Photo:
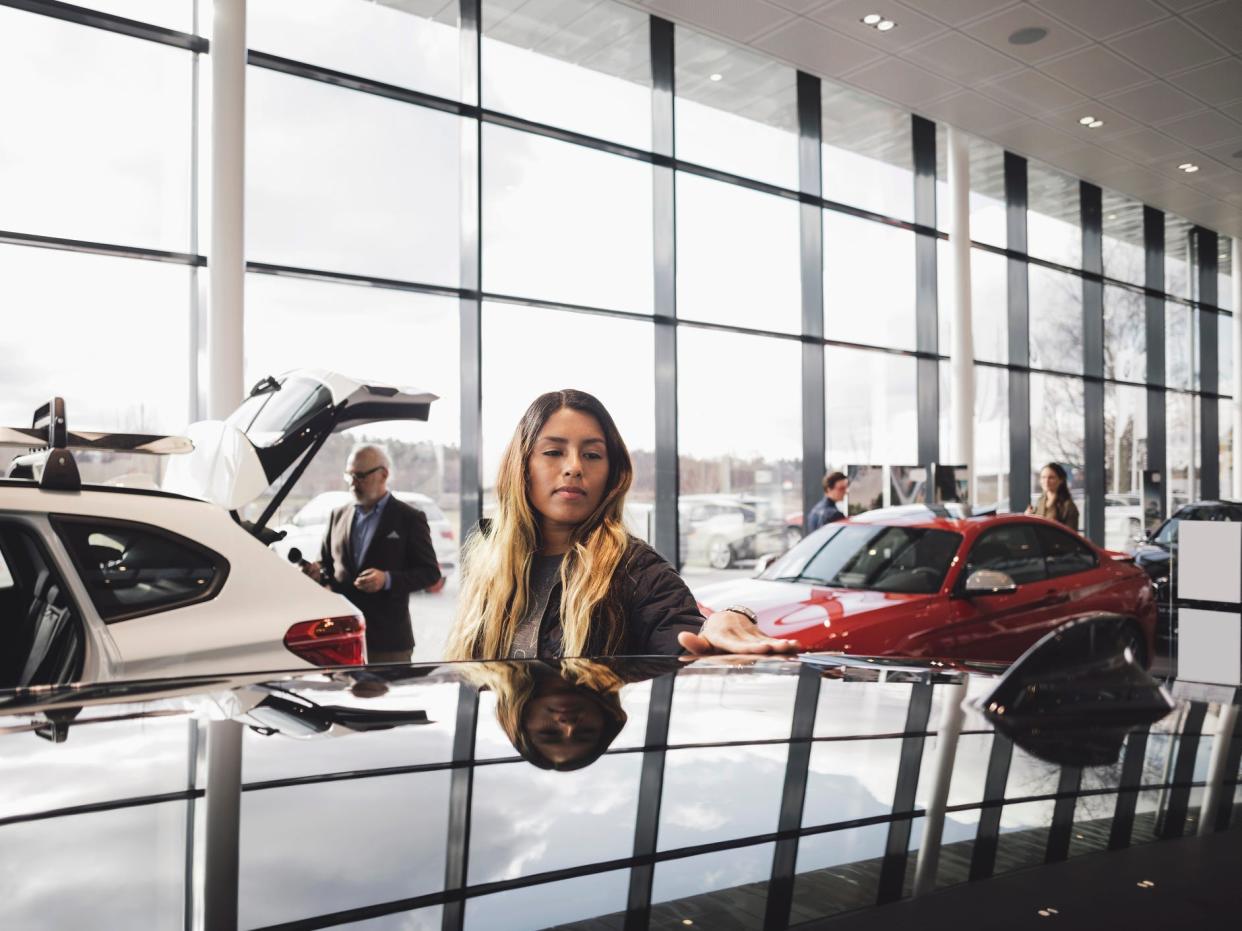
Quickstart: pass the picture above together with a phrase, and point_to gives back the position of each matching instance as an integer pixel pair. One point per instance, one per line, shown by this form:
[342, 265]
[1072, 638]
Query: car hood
[786, 607]
[272, 436]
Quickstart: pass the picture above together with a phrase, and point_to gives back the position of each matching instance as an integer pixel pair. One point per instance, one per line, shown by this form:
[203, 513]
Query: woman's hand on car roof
[730, 632]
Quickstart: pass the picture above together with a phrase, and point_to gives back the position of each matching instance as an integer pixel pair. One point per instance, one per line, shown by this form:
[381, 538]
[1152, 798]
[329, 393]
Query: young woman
[1055, 503]
[555, 574]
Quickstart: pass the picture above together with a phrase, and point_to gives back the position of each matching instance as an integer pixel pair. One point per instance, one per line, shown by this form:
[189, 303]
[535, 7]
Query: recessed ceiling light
[1087, 120]
[716, 77]
[885, 25]
[1188, 167]
[871, 19]
[1028, 36]
[1095, 124]
[1112, 216]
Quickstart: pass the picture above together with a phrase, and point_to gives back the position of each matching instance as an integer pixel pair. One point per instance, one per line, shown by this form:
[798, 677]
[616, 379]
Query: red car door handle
[1051, 598]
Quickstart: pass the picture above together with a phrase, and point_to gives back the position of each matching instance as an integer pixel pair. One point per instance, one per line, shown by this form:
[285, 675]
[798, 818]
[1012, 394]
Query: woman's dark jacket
[653, 600]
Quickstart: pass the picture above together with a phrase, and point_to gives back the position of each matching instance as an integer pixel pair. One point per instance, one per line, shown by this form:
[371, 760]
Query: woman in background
[1055, 503]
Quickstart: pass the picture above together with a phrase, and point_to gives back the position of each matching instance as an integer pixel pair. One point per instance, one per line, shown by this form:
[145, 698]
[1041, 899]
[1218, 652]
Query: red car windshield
[911, 560]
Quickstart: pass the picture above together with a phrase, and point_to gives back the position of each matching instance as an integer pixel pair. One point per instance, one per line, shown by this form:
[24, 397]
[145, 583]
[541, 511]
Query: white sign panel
[1209, 646]
[1209, 561]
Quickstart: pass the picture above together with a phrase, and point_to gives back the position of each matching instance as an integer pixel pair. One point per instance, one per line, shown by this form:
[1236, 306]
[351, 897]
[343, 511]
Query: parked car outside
[720, 530]
[1123, 520]
[913, 581]
[306, 529]
[102, 582]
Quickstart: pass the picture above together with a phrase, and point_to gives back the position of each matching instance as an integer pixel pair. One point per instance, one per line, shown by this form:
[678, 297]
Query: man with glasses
[376, 552]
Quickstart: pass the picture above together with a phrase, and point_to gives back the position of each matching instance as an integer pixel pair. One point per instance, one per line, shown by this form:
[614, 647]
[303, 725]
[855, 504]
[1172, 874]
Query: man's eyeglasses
[359, 476]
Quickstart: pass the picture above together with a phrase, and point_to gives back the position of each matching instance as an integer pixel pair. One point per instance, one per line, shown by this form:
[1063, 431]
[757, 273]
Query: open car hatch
[275, 433]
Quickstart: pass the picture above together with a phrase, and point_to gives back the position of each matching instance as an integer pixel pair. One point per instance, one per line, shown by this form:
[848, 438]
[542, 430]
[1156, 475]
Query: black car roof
[787, 791]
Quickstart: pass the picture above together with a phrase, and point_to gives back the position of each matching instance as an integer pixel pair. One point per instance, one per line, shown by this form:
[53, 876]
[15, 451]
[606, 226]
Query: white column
[1237, 366]
[226, 262]
[1214, 792]
[962, 351]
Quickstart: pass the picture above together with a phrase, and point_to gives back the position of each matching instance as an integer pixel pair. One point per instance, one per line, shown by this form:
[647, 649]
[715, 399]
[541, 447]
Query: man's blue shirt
[362, 530]
[824, 512]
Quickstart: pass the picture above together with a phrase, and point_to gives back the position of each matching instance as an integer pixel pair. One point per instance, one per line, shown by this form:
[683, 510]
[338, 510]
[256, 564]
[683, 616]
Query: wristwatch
[745, 611]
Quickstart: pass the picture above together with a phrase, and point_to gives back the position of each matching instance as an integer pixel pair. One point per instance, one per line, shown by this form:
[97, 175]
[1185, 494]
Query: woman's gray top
[545, 572]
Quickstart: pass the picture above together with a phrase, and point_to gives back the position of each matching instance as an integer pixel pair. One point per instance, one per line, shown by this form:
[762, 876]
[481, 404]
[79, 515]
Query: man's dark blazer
[401, 547]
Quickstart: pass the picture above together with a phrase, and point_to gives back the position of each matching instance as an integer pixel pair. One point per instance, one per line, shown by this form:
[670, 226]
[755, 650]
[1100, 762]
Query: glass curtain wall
[353, 240]
[370, 134]
[1055, 309]
[97, 208]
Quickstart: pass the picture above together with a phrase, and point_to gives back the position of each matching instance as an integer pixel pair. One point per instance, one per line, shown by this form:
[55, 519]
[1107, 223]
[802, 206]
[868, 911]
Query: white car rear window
[132, 569]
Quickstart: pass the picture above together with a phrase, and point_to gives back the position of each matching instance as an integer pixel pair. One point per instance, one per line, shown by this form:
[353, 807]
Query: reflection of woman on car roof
[559, 716]
[556, 574]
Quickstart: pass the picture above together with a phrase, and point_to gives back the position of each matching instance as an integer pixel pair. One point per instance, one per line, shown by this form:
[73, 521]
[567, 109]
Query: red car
[912, 582]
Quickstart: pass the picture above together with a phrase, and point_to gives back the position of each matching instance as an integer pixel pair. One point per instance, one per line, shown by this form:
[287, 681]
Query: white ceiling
[1164, 75]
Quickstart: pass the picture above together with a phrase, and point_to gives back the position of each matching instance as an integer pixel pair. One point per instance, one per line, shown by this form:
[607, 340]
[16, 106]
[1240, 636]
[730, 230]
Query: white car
[305, 530]
[101, 583]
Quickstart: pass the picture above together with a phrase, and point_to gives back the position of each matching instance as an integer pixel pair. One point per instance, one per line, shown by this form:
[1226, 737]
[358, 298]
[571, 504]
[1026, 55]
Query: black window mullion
[927, 331]
[1019, 336]
[1233, 759]
[1157, 460]
[897, 848]
[1062, 827]
[811, 239]
[793, 798]
[664, 238]
[1209, 380]
[110, 22]
[1090, 203]
[461, 794]
[1174, 822]
[470, 304]
[1127, 794]
[650, 792]
[983, 857]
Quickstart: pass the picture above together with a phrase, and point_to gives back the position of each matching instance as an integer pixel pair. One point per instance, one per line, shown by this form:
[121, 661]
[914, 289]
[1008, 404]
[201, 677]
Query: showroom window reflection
[610, 358]
[1125, 459]
[1123, 239]
[736, 110]
[868, 152]
[1057, 430]
[383, 41]
[739, 444]
[581, 66]
[391, 337]
[1055, 321]
[988, 214]
[1053, 221]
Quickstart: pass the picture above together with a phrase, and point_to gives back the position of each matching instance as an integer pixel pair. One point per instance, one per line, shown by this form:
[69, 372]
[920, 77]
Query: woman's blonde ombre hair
[495, 586]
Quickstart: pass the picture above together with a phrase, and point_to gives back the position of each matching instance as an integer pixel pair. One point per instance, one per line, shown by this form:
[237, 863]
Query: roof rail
[48, 440]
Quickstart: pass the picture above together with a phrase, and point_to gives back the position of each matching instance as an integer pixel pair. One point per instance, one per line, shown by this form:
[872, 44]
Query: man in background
[826, 510]
[376, 551]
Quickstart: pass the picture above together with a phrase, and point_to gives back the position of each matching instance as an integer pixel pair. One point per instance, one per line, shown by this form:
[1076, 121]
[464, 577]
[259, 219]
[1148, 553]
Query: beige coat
[1063, 511]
